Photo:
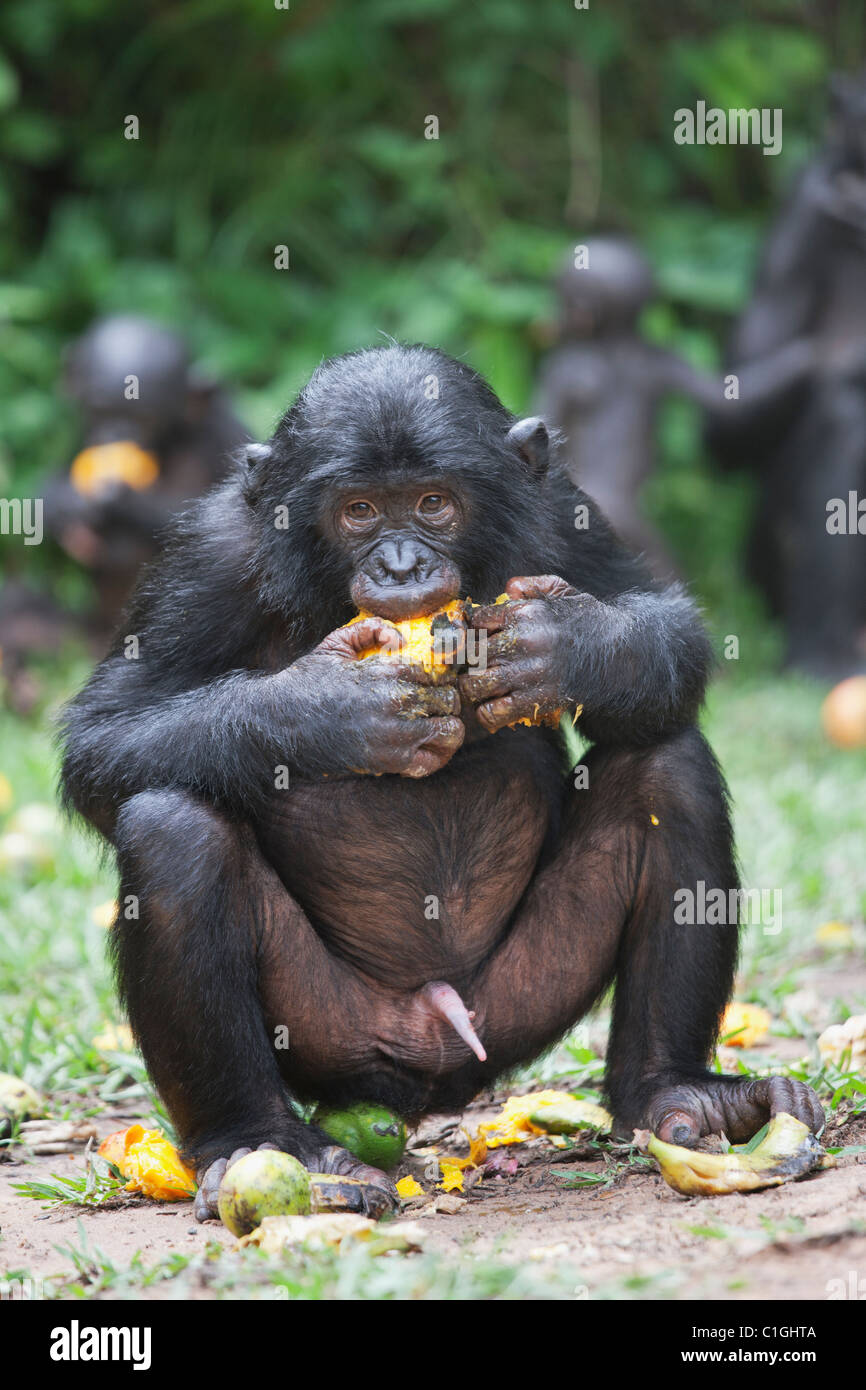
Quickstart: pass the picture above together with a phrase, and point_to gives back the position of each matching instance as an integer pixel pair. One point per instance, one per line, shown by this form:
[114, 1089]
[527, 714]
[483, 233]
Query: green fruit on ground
[264, 1183]
[373, 1134]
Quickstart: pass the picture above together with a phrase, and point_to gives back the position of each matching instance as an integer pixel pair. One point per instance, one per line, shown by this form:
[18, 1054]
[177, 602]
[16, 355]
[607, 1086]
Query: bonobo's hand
[528, 653]
[388, 717]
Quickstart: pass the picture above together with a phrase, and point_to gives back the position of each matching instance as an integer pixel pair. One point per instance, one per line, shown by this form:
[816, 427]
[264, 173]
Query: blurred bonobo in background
[807, 447]
[602, 385]
[155, 434]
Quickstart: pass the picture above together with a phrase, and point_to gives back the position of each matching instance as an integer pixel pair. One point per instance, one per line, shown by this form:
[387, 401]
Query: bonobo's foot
[379, 1195]
[734, 1106]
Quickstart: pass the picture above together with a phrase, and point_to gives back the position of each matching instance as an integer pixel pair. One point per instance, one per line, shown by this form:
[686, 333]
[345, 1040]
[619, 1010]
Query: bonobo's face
[399, 539]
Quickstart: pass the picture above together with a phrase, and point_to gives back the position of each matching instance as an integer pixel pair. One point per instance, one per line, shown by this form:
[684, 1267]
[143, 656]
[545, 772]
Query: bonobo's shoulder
[202, 575]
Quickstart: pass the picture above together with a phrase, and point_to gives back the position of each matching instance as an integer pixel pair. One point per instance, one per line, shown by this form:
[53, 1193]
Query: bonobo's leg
[674, 978]
[188, 970]
[651, 822]
[823, 572]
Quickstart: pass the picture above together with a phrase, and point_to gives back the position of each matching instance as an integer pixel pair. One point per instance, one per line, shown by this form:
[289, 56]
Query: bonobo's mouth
[398, 601]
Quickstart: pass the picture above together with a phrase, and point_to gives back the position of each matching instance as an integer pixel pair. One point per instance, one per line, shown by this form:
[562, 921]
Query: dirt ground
[634, 1235]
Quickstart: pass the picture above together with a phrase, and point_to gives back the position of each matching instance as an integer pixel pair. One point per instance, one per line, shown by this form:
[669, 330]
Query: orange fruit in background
[749, 1022]
[123, 462]
[843, 713]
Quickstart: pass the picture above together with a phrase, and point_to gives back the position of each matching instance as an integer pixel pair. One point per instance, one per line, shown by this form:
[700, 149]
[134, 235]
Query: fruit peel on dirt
[330, 1192]
[151, 1164]
[527, 1117]
[788, 1150]
[320, 1232]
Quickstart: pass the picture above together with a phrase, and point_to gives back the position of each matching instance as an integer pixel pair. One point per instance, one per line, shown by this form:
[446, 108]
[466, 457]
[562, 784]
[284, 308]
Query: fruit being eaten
[436, 642]
[427, 639]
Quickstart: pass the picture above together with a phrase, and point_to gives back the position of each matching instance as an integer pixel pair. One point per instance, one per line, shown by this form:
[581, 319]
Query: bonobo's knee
[679, 769]
[167, 837]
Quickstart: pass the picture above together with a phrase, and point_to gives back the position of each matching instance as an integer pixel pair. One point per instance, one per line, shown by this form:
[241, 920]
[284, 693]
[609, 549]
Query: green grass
[800, 820]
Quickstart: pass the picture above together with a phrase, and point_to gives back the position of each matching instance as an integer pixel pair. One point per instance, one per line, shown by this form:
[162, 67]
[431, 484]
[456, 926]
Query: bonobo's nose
[399, 561]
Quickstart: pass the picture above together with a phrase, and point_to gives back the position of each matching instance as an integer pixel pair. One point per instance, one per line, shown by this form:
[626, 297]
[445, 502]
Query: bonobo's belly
[415, 880]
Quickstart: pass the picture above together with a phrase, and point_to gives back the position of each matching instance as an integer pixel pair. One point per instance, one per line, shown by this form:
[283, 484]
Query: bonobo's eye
[358, 514]
[435, 507]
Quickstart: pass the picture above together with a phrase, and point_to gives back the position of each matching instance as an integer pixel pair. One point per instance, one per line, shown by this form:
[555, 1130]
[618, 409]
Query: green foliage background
[261, 126]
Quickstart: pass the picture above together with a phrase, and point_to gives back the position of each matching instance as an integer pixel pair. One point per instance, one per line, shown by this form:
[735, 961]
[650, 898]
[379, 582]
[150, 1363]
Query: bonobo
[284, 813]
[155, 434]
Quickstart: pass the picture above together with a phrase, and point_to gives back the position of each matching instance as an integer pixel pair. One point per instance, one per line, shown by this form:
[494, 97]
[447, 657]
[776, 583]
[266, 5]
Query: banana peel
[788, 1150]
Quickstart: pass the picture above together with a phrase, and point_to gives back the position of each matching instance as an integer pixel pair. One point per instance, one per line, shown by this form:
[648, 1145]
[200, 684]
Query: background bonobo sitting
[143, 404]
[395, 483]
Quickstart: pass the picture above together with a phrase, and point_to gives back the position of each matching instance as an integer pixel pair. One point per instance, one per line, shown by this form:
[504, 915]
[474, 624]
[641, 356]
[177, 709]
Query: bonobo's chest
[414, 880]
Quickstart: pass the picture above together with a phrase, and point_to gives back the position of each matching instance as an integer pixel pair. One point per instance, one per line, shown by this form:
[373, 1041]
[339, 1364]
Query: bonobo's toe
[379, 1196]
[208, 1190]
[209, 1179]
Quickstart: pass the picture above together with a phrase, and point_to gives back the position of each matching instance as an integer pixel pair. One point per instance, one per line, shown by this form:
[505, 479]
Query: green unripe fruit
[373, 1134]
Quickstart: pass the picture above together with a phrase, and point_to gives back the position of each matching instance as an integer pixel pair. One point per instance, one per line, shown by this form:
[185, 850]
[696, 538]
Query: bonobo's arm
[601, 635]
[213, 703]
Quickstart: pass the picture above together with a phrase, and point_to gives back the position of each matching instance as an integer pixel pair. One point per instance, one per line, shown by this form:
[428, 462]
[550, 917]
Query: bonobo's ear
[254, 454]
[531, 440]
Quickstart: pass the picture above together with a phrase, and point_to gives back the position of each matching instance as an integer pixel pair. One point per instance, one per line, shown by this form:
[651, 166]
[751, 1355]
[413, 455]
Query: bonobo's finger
[782, 1095]
[539, 586]
[478, 685]
[237, 1155]
[442, 738]
[492, 617]
[419, 701]
[505, 710]
[446, 1002]
[349, 642]
[422, 675]
[205, 1208]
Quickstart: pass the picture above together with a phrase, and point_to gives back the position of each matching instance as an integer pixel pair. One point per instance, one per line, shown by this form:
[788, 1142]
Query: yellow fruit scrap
[408, 1187]
[522, 1117]
[115, 1037]
[105, 914]
[452, 1175]
[551, 719]
[150, 1164]
[122, 462]
[748, 1023]
[835, 934]
[844, 1044]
